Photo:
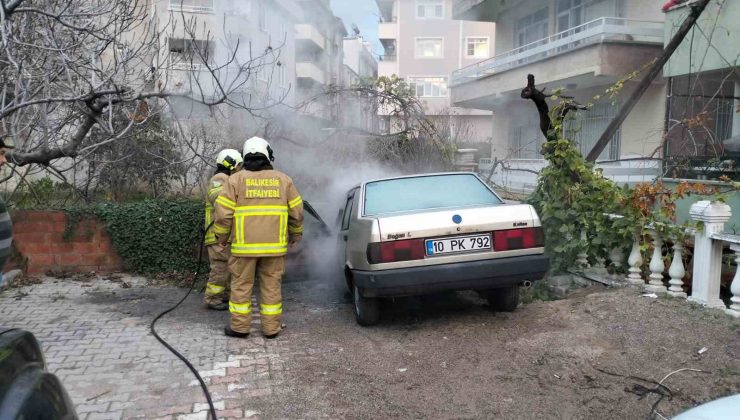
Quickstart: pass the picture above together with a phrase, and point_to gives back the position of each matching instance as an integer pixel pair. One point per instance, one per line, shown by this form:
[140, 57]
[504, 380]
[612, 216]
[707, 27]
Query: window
[570, 14]
[348, 211]
[429, 87]
[526, 141]
[427, 192]
[188, 52]
[585, 128]
[476, 47]
[192, 5]
[531, 28]
[262, 16]
[430, 9]
[429, 47]
[282, 74]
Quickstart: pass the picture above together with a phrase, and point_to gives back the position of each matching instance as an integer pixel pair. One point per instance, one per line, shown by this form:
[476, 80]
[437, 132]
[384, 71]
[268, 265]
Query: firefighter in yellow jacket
[261, 212]
[217, 290]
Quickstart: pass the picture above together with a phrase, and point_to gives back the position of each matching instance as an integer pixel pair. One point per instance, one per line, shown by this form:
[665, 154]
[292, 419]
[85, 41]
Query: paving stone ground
[96, 339]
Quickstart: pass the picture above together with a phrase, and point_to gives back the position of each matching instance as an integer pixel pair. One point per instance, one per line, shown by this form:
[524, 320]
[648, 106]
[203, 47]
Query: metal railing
[593, 32]
[181, 6]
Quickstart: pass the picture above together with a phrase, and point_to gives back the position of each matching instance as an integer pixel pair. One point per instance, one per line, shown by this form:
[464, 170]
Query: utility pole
[696, 10]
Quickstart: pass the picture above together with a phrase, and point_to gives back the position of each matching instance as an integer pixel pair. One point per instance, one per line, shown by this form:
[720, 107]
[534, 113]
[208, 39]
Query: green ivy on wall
[151, 236]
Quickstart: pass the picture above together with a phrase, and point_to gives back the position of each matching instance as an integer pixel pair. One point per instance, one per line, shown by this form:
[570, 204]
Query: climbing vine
[151, 236]
[584, 212]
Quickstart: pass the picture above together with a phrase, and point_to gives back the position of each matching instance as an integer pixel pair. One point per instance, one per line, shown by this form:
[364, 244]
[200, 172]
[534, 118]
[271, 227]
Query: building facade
[282, 55]
[206, 45]
[320, 59]
[584, 47]
[360, 66]
[423, 45]
[703, 77]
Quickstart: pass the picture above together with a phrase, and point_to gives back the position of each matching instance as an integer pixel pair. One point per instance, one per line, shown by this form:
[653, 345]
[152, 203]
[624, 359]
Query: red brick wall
[38, 238]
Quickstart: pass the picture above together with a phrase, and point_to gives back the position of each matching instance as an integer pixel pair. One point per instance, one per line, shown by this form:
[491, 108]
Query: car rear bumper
[474, 275]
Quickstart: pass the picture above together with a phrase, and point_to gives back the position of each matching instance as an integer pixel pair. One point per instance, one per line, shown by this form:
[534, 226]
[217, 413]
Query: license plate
[458, 244]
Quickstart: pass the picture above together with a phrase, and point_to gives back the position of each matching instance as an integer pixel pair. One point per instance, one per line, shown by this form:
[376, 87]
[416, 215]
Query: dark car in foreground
[27, 389]
[433, 233]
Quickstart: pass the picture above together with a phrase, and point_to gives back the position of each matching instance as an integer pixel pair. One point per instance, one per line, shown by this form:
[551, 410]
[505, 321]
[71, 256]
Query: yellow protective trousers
[243, 272]
[217, 288]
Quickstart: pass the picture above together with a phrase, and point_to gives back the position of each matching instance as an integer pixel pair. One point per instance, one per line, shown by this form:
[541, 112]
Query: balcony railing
[190, 7]
[596, 31]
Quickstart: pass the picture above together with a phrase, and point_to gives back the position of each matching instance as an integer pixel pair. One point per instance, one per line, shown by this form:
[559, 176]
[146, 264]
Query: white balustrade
[677, 271]
[635, 262]
[709, 241]
[657, 266]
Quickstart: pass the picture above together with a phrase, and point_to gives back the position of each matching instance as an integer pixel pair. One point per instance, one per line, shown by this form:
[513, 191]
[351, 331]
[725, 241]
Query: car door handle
[345, 238]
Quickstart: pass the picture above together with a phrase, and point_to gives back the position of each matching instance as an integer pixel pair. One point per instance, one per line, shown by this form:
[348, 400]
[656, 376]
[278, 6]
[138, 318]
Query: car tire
[505, 299]
[367, 310]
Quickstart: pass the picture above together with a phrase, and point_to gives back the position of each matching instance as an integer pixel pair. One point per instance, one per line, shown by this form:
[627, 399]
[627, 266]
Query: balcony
[310, 71]
[594, 32]
[387, 9]
[388, 30]
[591, 55]
[307, 36]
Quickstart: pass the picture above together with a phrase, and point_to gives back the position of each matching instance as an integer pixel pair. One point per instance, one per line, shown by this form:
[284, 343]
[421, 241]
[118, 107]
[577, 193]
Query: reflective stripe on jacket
[259, 210]
[215, 186]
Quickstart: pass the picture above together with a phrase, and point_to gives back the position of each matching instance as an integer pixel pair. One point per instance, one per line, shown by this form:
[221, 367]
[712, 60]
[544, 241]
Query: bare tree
[70, 66]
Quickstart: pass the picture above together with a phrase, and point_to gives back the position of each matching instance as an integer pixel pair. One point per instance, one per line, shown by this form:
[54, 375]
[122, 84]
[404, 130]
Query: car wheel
[367, 310]
[505, 299]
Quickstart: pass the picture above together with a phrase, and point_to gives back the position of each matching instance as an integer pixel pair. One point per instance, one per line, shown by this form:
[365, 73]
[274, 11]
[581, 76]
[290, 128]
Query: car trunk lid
[441, 223]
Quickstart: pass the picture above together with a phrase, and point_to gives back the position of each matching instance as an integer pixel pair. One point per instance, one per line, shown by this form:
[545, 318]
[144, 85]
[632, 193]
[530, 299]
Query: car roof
[415, 176]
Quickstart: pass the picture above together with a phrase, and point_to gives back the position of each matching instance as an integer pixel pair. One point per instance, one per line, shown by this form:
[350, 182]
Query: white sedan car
[437, 232]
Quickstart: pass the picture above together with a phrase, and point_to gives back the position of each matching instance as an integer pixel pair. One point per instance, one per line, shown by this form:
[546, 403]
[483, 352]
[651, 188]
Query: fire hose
[212, 410]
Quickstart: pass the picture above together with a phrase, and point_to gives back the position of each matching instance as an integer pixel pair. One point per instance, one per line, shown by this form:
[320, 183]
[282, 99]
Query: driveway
[597, 354]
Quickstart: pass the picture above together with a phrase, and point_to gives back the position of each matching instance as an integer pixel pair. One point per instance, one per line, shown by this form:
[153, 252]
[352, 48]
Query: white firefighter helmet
[229, 159]
[258, 145]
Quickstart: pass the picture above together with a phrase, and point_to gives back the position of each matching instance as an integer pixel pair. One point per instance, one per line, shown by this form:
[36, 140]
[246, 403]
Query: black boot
[274, 336]
[231, 333]
[218, 306]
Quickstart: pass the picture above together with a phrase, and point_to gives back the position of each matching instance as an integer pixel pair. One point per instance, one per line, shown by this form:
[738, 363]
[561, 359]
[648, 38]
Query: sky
[363, 13]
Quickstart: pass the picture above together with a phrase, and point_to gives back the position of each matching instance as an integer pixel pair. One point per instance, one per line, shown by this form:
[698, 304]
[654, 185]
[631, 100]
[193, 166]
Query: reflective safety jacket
[215, 185]
[258, 211]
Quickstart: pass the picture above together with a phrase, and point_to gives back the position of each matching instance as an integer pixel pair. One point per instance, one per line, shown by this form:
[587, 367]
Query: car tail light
[395, 251]
[513, 239]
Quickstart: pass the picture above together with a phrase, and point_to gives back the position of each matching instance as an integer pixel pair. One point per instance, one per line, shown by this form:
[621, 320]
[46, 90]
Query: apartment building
[423, 44]
[292, 49]
[319, 58]
[200, 36]
[360, 65]
[583, 46]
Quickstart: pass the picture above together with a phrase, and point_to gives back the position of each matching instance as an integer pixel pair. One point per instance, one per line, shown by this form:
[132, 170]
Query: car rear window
[426, 192]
